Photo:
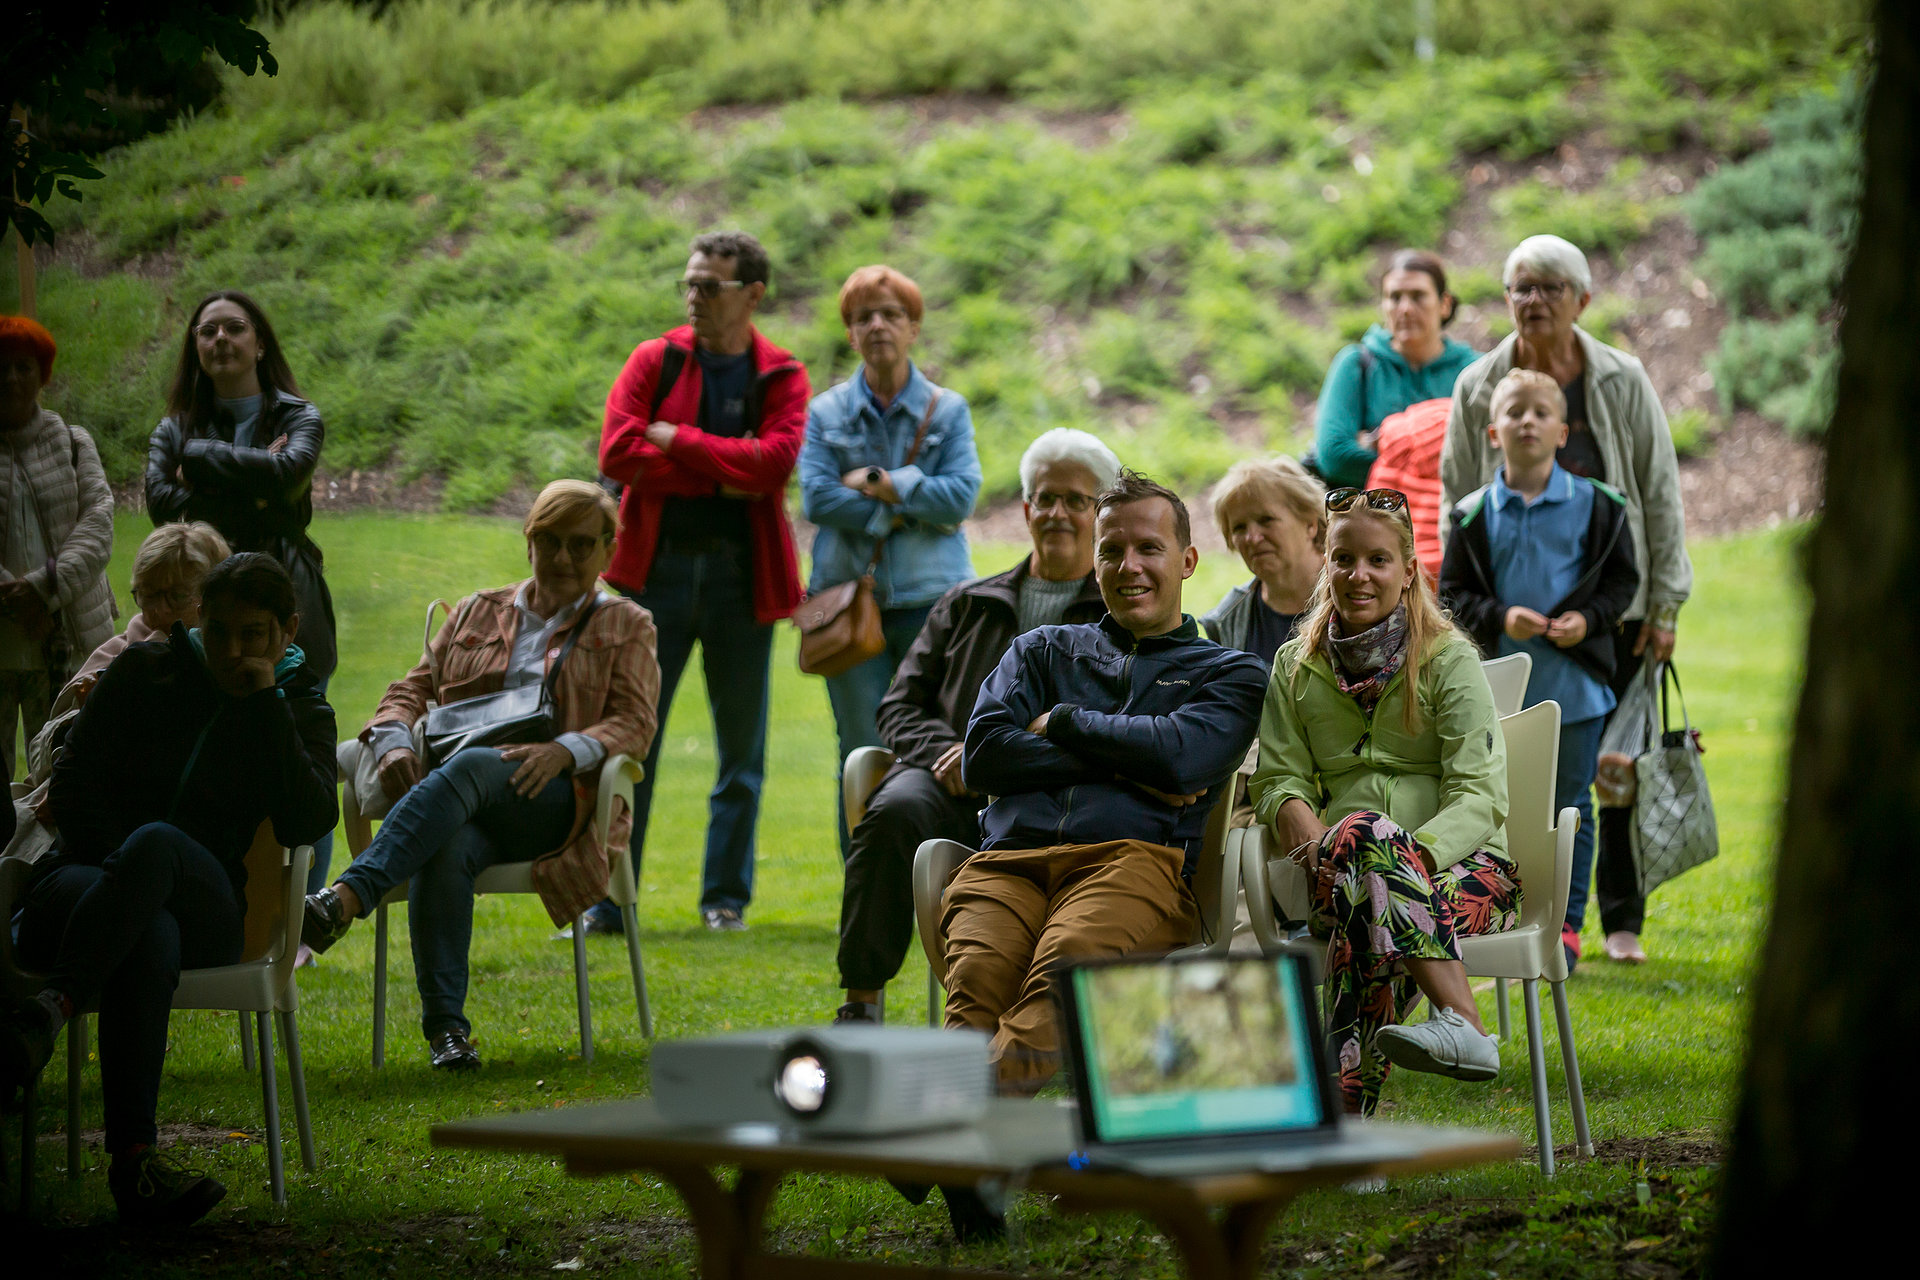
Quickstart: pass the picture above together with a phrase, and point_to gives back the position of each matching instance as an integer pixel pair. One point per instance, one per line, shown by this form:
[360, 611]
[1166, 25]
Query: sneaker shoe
[155, 1188]
[325, 920]
[1444, 1044]
[723, 919]
[1570, 943]
[857, 1011]
[452, 1050]
[1625, 947]
[26, 1043]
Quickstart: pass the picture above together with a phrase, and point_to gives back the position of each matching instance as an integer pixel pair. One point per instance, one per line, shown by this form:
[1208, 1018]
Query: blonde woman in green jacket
[1382, 772]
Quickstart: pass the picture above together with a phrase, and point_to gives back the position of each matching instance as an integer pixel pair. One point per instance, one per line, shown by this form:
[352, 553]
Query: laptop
[1203, 1064]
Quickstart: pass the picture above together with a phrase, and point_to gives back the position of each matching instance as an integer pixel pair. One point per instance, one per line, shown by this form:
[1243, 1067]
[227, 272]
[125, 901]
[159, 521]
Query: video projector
[835, 1081]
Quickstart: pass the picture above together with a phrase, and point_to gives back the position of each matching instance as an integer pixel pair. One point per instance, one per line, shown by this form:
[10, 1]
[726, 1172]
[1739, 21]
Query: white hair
[1552, 257]
[1064, 444]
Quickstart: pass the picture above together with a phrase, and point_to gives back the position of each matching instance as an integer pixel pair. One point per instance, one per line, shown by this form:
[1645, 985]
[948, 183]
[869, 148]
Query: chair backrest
[860, 777]
[1533, 761]
[1507, 677]
[1215, 883]
[618, 775]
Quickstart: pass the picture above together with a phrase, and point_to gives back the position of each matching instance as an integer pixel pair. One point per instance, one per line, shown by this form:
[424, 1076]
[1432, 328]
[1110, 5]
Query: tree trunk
[1823, 1141]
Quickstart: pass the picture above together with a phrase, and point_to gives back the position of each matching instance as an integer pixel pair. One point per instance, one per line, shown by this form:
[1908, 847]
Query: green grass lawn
[1660, 1046]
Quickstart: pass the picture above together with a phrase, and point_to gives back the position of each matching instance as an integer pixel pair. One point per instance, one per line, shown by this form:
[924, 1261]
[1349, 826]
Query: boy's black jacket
[158, 742]
[1608, 578]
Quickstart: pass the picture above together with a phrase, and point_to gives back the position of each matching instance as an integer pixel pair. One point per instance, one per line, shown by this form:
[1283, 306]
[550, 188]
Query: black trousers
[116, 937]
[876, 905]
[1616, 888]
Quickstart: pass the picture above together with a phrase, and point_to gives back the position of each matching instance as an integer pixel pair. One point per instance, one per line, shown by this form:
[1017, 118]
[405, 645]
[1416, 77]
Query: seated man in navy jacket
[1106, 744]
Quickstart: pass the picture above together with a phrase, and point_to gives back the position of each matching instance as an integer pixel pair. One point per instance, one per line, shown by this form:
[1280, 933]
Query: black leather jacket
[258, 500]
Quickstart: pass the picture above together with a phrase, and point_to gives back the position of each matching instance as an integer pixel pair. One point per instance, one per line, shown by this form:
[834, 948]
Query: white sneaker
[1445, 1044]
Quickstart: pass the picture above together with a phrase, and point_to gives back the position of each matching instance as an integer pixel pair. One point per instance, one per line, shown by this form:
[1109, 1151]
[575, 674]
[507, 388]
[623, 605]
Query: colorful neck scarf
[1364, 663]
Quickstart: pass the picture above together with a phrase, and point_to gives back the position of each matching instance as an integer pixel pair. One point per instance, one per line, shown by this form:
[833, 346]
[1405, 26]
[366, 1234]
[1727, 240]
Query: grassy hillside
[1157, 220]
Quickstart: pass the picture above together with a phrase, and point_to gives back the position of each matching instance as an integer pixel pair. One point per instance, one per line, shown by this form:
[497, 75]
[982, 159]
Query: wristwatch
[874, 474]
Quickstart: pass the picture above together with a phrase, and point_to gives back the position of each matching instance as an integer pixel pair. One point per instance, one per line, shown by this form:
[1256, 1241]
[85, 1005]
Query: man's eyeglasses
[177, 598]
[708, 288]
[1077, 503]
[1389, 501]
[578, 549]
[233, 328]
[1551, 290]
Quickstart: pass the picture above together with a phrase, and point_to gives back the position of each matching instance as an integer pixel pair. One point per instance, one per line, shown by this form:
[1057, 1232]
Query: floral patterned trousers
[1379, 907]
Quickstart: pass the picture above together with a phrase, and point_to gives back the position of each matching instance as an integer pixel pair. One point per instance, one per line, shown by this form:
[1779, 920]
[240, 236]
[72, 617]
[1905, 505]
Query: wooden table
[1218, 1220]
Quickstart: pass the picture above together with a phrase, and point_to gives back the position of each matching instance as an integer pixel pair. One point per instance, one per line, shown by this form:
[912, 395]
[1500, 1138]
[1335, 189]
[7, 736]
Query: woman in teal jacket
[1401, 362]
[1383, 772]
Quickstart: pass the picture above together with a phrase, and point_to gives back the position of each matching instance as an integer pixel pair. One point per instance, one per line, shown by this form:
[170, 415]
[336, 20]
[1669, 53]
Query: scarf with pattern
[1364, 663]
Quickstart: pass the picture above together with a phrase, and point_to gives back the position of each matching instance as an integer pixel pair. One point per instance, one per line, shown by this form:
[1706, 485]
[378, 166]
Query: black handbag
[526, 714]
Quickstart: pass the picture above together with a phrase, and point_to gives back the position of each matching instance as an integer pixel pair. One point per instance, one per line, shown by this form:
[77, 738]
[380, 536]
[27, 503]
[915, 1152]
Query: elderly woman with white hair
[1617, 435]
[924, 715]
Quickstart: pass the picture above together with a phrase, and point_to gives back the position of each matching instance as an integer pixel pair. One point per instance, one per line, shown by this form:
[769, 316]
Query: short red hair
[17, 333]
[863, 284]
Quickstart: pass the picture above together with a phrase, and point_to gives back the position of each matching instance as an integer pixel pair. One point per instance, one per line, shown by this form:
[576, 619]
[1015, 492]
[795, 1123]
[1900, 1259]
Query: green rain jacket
[1446, 782]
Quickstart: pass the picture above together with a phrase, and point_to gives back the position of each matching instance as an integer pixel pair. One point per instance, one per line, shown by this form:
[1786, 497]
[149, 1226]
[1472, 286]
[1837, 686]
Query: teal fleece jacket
[1392, 385]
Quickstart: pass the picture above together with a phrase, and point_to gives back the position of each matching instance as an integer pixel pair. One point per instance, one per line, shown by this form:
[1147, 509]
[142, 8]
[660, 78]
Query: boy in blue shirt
[1540, 561]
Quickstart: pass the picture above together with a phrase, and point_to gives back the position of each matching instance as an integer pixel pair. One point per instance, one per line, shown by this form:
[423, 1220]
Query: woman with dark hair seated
[237, 449]
[181, 752]
[529, 802]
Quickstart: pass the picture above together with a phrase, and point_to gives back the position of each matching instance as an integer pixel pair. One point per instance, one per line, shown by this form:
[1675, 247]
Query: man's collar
[1559, 489]
[1185, 633]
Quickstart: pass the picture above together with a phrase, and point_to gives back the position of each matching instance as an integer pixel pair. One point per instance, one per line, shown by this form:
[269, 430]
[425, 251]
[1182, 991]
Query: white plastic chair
[860, 777]
[1216, 885]
[618, 774]
[1507, 678]
[262, 983]
[1542, 851]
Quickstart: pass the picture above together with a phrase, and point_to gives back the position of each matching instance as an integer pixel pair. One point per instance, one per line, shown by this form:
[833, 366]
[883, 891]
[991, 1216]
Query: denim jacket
[928, 553]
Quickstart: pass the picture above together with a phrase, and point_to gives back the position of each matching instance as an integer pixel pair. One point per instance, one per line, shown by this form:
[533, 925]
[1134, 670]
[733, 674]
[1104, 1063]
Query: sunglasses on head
[1387, 500]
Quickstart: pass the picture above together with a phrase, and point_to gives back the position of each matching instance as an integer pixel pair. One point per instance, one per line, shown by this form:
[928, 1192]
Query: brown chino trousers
[1010, 915]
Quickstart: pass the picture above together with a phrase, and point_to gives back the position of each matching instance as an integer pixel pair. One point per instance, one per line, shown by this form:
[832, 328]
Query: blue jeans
[1573, 785]
[855, 696]
[461, 819]
[117, 936]
[705, 593]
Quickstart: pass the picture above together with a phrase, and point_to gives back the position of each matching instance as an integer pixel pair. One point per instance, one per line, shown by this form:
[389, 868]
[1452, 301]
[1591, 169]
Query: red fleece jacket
[759, 463]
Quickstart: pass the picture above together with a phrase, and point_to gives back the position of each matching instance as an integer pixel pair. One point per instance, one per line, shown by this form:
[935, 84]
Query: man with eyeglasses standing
[702, 428]
[923, 717]
[1617, 435]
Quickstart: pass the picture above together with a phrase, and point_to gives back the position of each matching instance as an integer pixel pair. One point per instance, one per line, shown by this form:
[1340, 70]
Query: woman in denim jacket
[858, 487]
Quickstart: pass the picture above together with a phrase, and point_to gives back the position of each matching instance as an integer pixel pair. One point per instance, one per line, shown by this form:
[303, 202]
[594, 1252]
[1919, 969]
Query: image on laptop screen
[1196, 1048]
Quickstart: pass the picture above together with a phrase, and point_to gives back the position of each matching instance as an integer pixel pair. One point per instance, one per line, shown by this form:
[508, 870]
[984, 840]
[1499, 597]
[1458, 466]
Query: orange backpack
[1409, 460]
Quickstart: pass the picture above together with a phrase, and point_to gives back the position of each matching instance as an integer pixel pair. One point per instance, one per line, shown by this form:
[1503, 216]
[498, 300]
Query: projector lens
[802, 1084]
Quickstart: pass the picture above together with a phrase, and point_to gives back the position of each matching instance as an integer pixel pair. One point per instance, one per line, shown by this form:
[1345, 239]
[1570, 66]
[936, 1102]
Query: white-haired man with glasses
[702, 429]
[923, 718]
[1618, 435]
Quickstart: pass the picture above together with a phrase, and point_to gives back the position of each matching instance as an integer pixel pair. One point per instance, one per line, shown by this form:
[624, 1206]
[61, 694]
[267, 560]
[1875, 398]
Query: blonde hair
[1274, 479]
[186, 551]
[1428, 625]
[565, 501]
[1518, 380]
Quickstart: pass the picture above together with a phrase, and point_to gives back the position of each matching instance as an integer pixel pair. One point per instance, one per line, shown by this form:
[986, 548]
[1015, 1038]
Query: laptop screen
[1193, 1048]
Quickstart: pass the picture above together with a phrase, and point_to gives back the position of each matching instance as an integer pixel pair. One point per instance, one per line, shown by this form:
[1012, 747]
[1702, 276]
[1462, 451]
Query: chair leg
[1537, 1062]
[880, 1002]
[630, 925]
[246, 1043]
[297, 1075]
[1503, 1009]
[581, 995]
[1576, 1094]
[76, 1067]
[270, 1104]
[936, 999]
[380, 986]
